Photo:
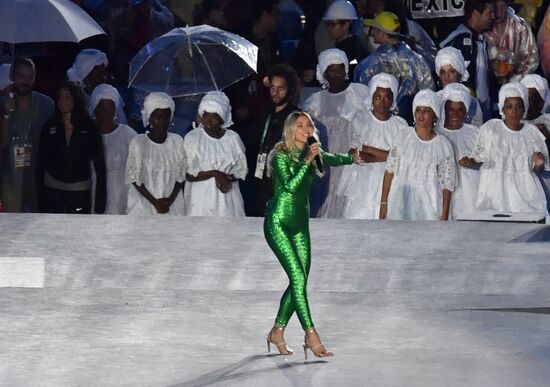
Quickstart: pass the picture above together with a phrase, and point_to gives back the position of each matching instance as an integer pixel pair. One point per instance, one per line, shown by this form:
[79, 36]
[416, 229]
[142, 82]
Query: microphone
[310, 141]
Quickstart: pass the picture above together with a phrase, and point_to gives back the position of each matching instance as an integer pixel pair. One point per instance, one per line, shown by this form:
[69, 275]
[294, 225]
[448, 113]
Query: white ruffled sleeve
[191, 161]
[182, 167]
[134, 163]
[483, 144]
[392, 163]
[446, 172]
[240, 168]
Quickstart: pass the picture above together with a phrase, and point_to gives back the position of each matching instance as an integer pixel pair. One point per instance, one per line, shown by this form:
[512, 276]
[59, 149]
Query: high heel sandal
[283, 349]
[318, 350]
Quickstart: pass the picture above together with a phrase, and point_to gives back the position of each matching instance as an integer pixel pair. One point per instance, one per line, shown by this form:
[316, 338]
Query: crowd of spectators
[447, 103]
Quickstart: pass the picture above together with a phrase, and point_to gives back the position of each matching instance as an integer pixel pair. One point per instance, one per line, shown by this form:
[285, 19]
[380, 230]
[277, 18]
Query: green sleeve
[337, 159]
[290, 181]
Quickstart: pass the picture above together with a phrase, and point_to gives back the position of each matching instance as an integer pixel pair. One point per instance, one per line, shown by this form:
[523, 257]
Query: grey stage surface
[188, 301]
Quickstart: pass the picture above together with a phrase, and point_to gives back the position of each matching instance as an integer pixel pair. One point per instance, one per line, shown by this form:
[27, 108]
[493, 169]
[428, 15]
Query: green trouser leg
[293, 252]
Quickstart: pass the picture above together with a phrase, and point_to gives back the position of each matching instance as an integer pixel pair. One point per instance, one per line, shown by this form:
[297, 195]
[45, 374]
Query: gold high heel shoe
[318, 350]
[283, 349]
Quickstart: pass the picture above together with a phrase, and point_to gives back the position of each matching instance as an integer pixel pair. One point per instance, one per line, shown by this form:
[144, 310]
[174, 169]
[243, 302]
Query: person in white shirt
[455, 101]
[374, 131]
[156, 162]
[333, 110]
[215, 162]
[450, 67]
[421, 169]
[510, 154]
[104, 103]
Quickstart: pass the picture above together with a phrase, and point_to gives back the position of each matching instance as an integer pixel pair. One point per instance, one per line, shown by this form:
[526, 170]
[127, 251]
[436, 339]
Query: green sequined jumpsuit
[286, 227]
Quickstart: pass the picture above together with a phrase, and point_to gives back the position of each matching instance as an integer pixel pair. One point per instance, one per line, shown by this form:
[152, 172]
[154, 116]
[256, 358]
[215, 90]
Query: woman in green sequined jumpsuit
[286, 225]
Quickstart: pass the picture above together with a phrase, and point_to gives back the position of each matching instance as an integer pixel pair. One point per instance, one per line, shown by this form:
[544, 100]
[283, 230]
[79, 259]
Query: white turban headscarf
[84, 63]
[511, 90]
[217, 102]
[455, 92]
[539, 83]
[427, 98]
[154, 101]
[451, 56]
[104, 91]
[327, 58]
[5, 79]
[385, 81]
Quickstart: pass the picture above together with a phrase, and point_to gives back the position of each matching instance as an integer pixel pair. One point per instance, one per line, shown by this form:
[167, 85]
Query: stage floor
[123, 301]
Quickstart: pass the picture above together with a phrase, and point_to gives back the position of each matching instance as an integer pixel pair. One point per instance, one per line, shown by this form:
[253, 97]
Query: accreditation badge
[22, 156]
[260, 165]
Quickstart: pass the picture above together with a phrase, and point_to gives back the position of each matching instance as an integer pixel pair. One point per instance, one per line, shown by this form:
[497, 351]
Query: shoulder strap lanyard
[266, 126]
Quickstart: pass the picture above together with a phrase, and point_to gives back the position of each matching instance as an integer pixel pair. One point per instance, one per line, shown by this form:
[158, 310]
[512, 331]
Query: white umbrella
[27, 21]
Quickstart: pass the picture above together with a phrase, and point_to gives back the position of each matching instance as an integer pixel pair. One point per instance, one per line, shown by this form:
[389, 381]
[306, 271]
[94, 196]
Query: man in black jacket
[283, 83]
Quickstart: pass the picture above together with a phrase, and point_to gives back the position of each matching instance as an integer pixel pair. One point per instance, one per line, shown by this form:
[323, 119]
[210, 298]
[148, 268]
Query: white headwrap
[535, 81]
[455, 92]
[385, 81]
[5, 79]
[451, 56]
[84, 63]
[427, 98]
[103, 91]
[327, 58]
[217, 102]
[511, 90]
[154, 101]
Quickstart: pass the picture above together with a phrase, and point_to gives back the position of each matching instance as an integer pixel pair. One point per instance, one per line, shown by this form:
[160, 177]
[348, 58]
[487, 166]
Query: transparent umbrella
[193, 60]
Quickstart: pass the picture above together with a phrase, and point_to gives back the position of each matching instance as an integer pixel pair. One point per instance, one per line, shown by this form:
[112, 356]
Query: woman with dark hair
[69, 142]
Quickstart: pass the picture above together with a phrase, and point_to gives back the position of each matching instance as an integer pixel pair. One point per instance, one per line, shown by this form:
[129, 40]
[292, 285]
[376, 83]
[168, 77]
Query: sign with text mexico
[429, 9]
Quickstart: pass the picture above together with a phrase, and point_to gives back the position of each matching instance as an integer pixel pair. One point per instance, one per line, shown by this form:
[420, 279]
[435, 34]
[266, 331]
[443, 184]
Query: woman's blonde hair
[286, 145]
[289, 132]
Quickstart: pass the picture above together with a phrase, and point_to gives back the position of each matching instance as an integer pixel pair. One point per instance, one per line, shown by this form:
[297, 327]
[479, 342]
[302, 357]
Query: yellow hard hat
[385, 21]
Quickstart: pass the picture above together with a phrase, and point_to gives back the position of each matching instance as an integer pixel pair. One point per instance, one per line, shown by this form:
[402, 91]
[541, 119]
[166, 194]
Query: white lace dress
[421, 171]
[361, 185]
[335, 112]
[465, 194]
[115, 148]
[507, 181]
[158, 167]
[205, 153]
[545, 175]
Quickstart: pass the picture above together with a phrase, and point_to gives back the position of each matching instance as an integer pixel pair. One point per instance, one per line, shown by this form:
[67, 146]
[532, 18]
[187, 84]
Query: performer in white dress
[104, 103]
[510, 155]
[421, 169]
[539, 99]
[215, 162]
[156, 162]
[374, 131]
[333, 110]
[450, 67]
[455, 101]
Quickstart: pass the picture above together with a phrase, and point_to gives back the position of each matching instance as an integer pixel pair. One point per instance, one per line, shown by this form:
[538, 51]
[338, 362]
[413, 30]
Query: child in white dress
[510, 154]
[374, 131]
[455, 102]
[156, 162]
[420, 170]
[105, 101]
[215, 162]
